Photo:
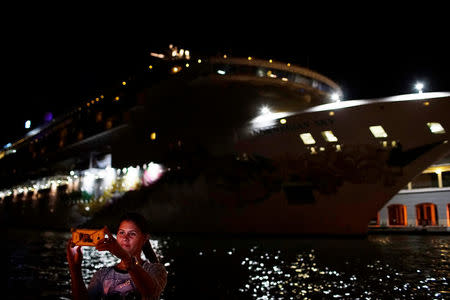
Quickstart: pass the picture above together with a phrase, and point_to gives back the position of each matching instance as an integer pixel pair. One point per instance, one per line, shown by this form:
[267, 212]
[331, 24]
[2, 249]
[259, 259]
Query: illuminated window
[426, 214]
[99, 117]
[378, 131]
[109, 123]
[397, 215]
[436, 128]
[307, 138]
[329, 136]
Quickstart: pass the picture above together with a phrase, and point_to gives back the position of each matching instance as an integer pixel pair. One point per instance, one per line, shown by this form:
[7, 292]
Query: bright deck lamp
[419, 87]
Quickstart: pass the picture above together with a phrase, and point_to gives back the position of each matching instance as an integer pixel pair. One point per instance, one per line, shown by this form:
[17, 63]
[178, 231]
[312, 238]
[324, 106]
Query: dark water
[207, 267]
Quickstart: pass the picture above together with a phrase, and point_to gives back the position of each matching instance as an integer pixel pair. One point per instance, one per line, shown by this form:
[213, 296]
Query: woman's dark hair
[142, 224]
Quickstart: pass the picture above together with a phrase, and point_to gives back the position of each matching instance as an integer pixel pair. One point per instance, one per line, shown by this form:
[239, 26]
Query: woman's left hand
[110, 244]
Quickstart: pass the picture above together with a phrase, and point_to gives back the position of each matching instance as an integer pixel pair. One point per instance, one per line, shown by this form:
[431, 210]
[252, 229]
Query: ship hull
[277, 185]
[272, 183]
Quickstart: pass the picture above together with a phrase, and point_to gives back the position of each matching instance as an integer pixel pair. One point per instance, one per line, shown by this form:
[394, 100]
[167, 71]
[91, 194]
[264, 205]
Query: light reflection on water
[414, 266]
[93, 260]
[224, 267]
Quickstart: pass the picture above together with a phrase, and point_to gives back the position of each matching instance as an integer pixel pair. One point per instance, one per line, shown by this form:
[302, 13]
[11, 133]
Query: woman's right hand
[74, 256]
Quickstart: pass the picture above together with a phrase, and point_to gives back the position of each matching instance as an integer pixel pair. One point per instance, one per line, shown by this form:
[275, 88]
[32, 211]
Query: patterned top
[113, 283]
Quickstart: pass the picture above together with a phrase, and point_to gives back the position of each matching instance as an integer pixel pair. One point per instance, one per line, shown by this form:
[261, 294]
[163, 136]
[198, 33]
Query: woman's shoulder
[154, 267]
[158, 272]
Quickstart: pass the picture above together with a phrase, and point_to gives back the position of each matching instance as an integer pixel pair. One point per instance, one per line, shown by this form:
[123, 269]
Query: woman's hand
[74, 256]
[110, 244]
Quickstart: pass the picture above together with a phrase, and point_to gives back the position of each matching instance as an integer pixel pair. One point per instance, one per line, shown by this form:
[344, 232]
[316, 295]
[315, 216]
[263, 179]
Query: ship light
[176, 69]
[152, 173]
[131, 179]
[436, 128]
[265, 110]
[378, 131]
[419, 87]
[307, 138]
[335, 97]
[283, 121]
[329, 136]
[158, 55]
[27, 124]
[221, 72]
[153, 136]
[88, 182]
[267, 118]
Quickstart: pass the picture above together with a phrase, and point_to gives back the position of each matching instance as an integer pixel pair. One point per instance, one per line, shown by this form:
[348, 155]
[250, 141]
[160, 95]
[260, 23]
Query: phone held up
[87, 237]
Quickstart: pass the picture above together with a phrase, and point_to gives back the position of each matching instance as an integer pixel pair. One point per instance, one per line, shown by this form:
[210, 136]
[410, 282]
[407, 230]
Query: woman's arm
[74, 259]
[145, 283]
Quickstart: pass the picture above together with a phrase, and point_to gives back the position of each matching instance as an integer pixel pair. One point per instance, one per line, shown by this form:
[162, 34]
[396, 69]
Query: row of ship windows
[377, 131]
[437, 179]
[223, 69]
[426, 214]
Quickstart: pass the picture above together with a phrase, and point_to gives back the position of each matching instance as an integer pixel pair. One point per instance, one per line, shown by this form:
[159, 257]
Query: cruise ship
[225, 144]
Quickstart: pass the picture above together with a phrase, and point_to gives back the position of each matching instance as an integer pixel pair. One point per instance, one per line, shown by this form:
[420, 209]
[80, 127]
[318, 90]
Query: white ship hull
[327, 192]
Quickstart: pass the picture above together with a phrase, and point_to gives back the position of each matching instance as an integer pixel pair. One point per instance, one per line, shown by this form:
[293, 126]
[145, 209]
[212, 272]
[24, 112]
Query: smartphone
[87, 237]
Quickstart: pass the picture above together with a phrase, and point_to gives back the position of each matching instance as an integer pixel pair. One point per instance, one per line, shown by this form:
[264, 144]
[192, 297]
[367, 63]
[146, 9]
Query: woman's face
[130, 238]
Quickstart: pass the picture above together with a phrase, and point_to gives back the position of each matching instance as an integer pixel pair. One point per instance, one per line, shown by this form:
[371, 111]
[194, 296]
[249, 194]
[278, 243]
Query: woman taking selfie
[132, 277]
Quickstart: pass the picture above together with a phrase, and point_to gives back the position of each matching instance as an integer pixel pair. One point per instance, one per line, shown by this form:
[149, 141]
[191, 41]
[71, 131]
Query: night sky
[52, 71]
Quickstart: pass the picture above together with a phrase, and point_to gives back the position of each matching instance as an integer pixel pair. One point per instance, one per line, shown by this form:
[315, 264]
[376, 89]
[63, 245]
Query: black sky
[51, 71]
